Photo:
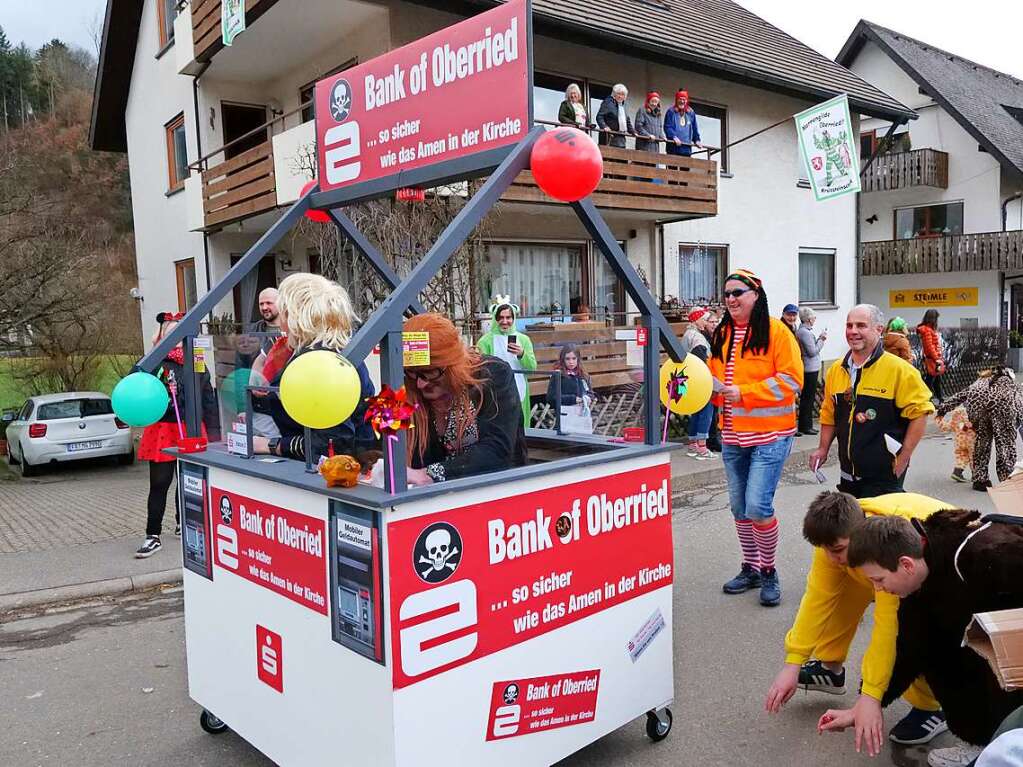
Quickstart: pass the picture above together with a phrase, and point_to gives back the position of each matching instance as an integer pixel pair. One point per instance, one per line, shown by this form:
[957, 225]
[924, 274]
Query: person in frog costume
[518, 353]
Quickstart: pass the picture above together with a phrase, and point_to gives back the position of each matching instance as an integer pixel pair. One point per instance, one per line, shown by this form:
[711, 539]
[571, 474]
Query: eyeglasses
[427, 374]
[738, 292]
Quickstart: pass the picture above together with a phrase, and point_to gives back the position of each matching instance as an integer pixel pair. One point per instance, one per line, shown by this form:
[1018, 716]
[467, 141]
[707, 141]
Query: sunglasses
[737, 293]
[427, 374]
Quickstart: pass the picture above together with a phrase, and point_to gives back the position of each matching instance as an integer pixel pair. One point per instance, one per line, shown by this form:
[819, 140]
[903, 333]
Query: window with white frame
[817, 276]
[701, 272]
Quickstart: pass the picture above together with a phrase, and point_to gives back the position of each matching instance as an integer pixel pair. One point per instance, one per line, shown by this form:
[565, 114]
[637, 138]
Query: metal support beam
[608, 244]
[392, 373]
[652, 381]
[190, 324]
[393, 308]
[371, 254]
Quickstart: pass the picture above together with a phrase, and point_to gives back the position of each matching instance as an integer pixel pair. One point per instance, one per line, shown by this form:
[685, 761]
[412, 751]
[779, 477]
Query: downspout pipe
[198, 145]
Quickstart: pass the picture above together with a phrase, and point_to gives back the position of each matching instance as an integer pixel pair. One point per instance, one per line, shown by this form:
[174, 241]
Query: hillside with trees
[66, 247]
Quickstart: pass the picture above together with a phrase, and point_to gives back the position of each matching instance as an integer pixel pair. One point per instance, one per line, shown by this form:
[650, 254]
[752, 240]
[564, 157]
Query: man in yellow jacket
[833, 604]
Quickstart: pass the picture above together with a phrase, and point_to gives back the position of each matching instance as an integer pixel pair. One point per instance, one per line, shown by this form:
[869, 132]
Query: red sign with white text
[469, 582]
[525, 706]
[462, 90]
[269, 658]
[273, 547]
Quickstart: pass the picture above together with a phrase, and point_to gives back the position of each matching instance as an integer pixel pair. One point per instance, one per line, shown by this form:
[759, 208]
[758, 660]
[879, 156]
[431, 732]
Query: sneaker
[816, 677]
[982, 486]
[918, 726]
[748, 578]
[958, 476]
[177, 529]
[770, 588]
[692, 453]
[956, 756]
[706, 454]
[149, 547]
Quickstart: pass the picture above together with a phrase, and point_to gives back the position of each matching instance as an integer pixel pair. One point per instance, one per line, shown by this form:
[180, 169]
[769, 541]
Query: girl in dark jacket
[164, 433]
[575, 381]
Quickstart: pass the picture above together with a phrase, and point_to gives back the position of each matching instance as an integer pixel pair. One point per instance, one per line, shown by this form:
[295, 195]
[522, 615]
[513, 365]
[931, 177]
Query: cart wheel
[215, 726]
[658, 724]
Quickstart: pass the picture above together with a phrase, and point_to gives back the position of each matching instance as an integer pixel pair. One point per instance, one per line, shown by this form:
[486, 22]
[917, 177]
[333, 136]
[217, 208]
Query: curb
[682, 483]
[78, 591]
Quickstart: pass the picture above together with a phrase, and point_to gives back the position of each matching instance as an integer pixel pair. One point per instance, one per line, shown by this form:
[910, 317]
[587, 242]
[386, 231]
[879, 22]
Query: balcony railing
[901, 170]
[956, 253]
[663, 184]
[240, 187]
[206, 15]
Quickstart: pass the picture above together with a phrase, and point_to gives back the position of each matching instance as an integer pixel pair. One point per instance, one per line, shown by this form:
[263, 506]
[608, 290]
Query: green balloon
[140, 399]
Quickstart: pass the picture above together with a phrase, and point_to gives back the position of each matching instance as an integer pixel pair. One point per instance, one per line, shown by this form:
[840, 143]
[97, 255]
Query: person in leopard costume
[994, 405]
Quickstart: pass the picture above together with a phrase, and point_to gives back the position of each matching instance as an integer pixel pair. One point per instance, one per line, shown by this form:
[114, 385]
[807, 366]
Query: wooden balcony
[668, 186]
[902, 170]
[1001, 251]
[206, 32]
[240, 187]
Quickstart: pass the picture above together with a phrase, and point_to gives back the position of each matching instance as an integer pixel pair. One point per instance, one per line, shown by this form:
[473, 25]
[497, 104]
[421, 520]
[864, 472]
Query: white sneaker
[955, 756]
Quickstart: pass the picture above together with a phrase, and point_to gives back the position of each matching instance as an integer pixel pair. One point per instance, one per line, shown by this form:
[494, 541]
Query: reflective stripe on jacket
[768, 382]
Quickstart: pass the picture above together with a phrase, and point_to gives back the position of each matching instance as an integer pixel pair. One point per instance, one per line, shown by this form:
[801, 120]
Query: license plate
[74, 447]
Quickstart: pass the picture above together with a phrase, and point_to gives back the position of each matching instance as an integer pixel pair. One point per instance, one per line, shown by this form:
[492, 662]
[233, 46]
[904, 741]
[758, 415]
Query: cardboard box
[998, 638]
[1007, 496]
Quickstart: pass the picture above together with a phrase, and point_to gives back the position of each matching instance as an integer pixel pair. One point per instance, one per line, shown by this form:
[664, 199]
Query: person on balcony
[513, 346]
[680, 127]
[613, 118]
[934, 362]
[572, 112]
[649, 124]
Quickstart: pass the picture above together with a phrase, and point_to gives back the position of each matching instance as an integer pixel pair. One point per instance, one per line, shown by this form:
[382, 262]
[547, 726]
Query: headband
[747, 277]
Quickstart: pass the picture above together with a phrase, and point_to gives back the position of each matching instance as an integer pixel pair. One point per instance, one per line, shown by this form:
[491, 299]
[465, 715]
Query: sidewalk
[72, 533]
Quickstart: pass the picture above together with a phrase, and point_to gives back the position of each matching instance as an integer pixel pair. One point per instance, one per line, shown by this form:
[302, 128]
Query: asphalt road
[104, 684]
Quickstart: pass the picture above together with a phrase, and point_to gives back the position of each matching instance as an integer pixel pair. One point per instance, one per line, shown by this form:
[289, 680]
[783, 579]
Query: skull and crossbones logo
[226, 512]
[437, 552]
[511, 693]
[340, 100]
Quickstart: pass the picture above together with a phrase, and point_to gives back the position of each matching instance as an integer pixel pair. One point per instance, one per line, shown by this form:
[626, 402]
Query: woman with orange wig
[469, 419]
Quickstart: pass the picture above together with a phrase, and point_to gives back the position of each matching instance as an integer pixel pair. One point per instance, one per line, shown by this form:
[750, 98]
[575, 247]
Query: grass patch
[13, 394]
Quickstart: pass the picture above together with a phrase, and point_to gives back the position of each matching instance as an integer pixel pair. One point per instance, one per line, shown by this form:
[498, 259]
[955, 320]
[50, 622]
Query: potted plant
[1015, 350]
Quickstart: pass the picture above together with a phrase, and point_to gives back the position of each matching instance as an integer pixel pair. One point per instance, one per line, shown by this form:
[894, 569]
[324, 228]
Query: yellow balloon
[320, 389]
[685, 386]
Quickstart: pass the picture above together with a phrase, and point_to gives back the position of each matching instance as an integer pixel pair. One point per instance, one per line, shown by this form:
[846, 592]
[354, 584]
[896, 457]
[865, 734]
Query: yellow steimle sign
[933, 297]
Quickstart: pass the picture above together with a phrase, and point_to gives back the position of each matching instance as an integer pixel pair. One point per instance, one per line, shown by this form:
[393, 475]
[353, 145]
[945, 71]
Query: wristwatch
[273, 444]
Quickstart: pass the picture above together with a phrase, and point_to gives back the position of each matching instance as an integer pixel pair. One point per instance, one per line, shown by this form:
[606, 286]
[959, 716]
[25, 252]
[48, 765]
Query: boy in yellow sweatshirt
[835, 599]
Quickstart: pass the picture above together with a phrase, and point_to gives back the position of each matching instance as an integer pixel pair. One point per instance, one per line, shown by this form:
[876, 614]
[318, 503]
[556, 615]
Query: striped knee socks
[750, 555]
[766, 539]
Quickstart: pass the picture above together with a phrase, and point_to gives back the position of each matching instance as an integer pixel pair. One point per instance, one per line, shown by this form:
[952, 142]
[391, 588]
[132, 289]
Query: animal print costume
[958, 423]
[994, 406]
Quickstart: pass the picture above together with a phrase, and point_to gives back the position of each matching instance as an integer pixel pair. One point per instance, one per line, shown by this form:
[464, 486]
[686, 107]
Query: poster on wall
[919, 297]
[420, 105]
[828, 146]
[356, 579]
[469, 582]
[195, 539]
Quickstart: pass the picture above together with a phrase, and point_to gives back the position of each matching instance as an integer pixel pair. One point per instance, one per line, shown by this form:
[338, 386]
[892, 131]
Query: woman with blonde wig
[314, 314]
[469, 419]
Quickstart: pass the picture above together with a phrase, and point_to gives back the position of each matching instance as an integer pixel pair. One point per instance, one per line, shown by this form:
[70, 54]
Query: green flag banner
[232, 19]
[827, 144]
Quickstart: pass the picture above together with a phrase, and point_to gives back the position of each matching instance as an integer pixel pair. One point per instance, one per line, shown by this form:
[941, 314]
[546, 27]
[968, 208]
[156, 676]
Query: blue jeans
[699, 423]
[753, 474]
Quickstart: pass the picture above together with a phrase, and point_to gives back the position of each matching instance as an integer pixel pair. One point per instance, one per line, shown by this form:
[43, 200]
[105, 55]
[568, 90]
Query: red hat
[652, 95]
[697, 313]
[682, 95]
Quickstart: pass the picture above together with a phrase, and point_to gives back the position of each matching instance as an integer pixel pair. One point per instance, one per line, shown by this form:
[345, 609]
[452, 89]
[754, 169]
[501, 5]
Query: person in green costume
[513, 346]
[832, 154]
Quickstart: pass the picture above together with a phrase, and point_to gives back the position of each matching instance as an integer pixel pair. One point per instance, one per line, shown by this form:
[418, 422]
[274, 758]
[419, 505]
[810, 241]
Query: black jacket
[350, 437]
[173, 372]
[607, 119]
[932, 621]
[572, 388]
[502, 437]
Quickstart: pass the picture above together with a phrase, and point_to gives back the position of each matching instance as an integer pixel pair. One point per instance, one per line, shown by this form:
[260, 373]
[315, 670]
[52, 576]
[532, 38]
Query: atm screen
[349, 603]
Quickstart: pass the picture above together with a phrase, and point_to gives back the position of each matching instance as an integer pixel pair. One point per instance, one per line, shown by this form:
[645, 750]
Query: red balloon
[319, 216]
[566, 164]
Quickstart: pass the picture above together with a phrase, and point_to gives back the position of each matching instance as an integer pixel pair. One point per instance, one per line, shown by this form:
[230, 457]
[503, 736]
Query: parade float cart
[504, 619]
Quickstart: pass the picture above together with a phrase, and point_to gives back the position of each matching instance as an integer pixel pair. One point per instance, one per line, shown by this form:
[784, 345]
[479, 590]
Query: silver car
[54, 428]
